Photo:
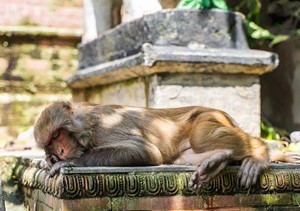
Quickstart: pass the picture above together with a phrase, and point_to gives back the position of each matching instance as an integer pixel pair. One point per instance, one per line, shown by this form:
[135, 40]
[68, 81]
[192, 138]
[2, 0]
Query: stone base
[155, 188]
[280, 201]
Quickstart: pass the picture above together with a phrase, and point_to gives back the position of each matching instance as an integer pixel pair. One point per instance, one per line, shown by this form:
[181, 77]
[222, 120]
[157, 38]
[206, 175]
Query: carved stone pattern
[151, 184]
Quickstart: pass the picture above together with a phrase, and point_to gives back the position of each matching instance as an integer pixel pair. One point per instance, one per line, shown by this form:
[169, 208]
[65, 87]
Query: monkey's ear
[67, 105]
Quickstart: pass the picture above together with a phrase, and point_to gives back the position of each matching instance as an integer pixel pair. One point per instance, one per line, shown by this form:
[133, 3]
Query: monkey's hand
[60, 164]
[51, 160]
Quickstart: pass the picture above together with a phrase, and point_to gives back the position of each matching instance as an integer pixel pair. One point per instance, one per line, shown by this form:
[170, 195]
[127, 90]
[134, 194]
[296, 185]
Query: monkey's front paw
[58, 165]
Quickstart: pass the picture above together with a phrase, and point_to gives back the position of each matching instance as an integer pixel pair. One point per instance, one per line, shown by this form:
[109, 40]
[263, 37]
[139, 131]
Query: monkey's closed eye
[56, 134]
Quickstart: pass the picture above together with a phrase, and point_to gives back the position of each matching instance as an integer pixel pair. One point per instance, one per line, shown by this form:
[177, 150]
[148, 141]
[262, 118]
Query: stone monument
[175, 58]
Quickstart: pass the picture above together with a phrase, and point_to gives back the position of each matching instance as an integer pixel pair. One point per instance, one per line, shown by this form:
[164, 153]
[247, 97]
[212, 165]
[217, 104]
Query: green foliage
[269, 132]
[257, 32]
[253, 6]
[202, 4]
[278, 39]
[254, 31]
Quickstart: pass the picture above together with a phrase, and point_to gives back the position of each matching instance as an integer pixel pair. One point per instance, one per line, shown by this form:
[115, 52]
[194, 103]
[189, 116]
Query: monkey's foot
[209, 168]
[250, 170]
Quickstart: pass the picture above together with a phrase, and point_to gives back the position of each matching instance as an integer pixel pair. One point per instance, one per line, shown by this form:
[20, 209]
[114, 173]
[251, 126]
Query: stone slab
[211, 28]
[161, 168]
[171, 59]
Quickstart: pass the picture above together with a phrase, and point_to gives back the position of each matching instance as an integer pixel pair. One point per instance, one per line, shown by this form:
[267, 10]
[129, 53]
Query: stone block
[238, 95]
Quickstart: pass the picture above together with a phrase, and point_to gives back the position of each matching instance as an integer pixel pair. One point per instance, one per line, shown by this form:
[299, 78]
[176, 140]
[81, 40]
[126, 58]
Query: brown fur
[110, 135]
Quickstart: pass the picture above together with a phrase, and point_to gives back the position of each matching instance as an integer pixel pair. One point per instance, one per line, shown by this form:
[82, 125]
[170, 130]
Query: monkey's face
[62, 146]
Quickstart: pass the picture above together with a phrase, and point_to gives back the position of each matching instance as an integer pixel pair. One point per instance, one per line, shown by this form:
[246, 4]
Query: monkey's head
[53, 132]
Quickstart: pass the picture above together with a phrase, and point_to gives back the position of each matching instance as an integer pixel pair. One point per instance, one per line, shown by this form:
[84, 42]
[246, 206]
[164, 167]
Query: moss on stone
[39, 64]
[12, 194]
[39, 31]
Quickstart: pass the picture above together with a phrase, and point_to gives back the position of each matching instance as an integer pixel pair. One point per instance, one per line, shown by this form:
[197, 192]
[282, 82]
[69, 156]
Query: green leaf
[278, 39]
[257, 32]
[268, 132]
[190, 4]
[254, 7]
[219, 4]
[202, 4]
[206, 4]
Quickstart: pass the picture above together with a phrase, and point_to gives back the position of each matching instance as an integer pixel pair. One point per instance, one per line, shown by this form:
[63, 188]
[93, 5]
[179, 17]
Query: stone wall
[54, 13]
[37, 53]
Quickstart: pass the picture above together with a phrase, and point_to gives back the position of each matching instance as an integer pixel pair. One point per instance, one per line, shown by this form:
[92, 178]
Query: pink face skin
[60, 145]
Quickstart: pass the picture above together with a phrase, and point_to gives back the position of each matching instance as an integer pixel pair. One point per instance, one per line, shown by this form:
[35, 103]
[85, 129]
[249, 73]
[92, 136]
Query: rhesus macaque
[111, 135]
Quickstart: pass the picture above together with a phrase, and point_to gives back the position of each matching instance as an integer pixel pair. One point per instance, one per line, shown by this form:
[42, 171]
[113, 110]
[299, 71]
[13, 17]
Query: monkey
[82, 134]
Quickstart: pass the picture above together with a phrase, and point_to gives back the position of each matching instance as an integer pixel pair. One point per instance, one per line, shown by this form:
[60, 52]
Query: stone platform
[155, 188]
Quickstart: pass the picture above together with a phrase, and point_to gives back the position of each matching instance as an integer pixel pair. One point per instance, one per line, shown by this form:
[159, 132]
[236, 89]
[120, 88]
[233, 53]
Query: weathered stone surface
[175, 59]
[238, 95]
[161, 187]
[213, 29]
[131, 92]
[202, 54]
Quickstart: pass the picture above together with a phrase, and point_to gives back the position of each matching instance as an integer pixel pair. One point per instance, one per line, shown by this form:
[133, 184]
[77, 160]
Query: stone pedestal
[176, 58]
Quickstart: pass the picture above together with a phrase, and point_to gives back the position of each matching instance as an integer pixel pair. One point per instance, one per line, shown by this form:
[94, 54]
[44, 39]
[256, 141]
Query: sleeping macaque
[111, 135]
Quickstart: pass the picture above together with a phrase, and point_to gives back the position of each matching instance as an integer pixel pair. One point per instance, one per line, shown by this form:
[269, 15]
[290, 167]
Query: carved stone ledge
[150, 181]
[157, 187]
